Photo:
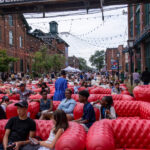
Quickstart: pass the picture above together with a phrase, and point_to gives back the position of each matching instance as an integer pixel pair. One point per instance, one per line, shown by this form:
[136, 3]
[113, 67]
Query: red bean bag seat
[81, 88]
[125, 92]
[119, 134]
[78, 111]
[127, 108]
[33, 108]
[142, 92]
[14, 97]
[75, 97]
[1, 96]
[100, 90]
[95, 97]
[37, 96]
[72, 139]
[38, 90]
[55, 105]
[11, 111]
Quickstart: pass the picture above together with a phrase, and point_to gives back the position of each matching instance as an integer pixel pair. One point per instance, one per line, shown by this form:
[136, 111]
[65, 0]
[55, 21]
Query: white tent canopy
[71, 69]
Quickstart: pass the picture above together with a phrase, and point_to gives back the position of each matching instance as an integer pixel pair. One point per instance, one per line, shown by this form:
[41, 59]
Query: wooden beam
[34, 6]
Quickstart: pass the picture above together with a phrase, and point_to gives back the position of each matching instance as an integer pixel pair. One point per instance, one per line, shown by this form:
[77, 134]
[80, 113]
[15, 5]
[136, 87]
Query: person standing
[146, 76]
[60, 87]
[136, 77]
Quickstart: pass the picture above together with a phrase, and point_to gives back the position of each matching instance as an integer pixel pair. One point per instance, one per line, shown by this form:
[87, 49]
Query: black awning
[142, 38]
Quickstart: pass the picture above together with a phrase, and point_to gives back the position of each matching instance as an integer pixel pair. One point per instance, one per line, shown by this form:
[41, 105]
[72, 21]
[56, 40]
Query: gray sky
[86, 33]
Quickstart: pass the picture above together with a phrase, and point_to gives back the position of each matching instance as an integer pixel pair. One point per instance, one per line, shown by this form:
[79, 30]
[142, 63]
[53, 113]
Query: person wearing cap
[23, 92]
[60, 87]
[19, 128]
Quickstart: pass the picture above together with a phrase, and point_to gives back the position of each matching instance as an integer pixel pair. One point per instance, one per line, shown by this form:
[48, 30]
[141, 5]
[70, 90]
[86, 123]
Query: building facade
[15, 37]
[139, 31]
[73, 62]
[112, 60]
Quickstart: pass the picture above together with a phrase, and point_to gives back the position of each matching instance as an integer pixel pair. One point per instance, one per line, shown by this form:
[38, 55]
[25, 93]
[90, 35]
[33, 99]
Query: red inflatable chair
[33, 109]
[95, 97]
[73, 138]
[78, 111]
[118, 134]
[142, 93]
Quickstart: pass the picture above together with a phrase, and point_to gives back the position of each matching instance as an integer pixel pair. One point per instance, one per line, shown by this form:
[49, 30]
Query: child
[107, 110]
[116, 89]
[61, 124]
[88, 117]
[76, 87]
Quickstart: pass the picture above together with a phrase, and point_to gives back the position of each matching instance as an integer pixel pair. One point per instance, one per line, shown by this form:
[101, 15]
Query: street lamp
[118, 56]
[130, 47]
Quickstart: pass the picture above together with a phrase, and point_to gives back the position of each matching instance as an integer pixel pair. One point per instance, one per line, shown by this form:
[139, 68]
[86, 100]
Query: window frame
[11, 40]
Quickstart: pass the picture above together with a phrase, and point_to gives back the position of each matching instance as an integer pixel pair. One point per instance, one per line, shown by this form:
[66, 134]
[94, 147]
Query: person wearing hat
[23, 92]
[19, 128]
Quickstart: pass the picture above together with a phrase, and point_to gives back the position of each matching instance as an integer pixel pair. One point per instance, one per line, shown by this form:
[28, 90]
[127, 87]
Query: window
[131, 28]
[10, 18]
[21, 65]
[137, 21]
[0, 33]
[10, 37]
[131, 11]
[147, 14]
[20, 42]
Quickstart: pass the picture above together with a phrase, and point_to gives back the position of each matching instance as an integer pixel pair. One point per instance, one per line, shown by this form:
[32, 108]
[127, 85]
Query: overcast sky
[86, 33]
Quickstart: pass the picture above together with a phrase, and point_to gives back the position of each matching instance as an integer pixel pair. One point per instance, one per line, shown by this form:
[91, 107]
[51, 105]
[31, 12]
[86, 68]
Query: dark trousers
[146, 83]
[1, 146]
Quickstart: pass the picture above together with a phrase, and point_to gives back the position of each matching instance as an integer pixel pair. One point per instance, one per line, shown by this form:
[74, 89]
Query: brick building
[73, 62]
[112, 59]
[139, 31]
[16, 38]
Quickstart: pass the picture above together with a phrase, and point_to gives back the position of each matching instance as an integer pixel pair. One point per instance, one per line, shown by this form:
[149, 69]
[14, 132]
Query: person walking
[136, 77]
[146, 76]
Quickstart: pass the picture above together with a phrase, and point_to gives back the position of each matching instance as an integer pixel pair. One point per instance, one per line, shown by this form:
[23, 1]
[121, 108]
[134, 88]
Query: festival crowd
[20, 130]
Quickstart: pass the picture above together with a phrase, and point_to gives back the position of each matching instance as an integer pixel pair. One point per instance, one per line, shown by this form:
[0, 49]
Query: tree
[82, 64]
[44, 62]
[5, 61]
[58, 62]
[97, 59]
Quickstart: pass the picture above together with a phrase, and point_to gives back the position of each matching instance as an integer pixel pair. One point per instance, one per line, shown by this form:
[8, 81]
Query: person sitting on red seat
[107, 110]
[88, 117]
[19, 128]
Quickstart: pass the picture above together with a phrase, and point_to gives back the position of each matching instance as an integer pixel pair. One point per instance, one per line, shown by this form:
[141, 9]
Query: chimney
[53, 27]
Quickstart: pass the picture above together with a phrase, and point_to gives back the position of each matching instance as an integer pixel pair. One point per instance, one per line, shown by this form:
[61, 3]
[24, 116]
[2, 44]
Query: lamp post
[118, 56]
[130, 47]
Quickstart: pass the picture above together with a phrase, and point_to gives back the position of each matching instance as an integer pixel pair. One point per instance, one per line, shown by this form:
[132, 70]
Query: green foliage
[43, 62]
[83, 64]
[97, 59]
[5, 61]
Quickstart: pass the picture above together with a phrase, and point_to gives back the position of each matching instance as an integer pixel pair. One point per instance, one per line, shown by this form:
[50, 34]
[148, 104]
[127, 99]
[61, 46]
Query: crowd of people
[20, 130]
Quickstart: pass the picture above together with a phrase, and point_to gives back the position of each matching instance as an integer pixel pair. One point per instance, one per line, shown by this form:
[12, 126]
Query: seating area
[75, 132]
[119, 134]
[131, 129]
